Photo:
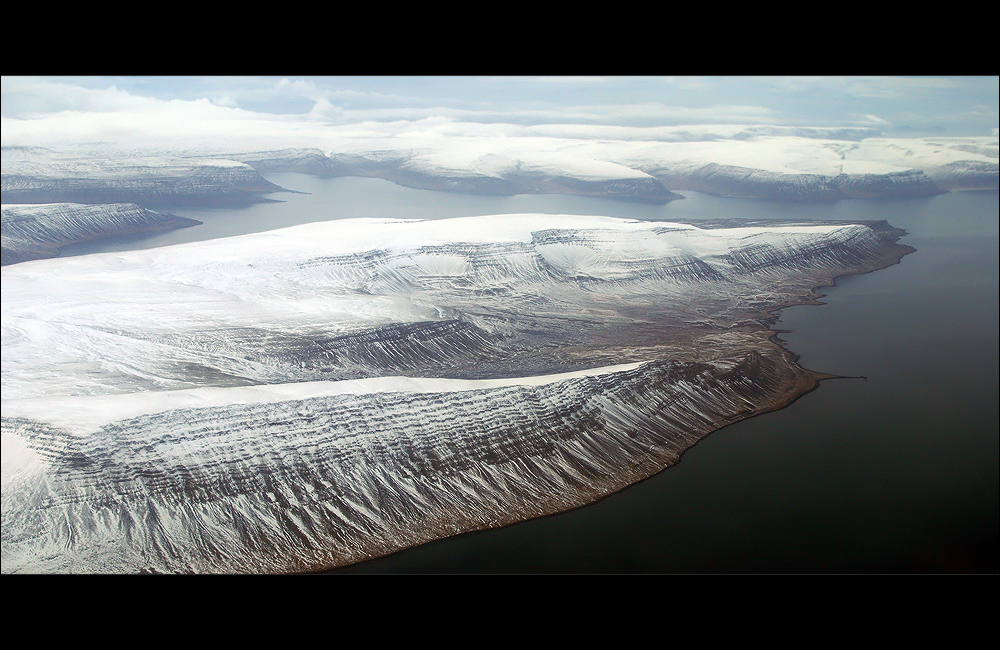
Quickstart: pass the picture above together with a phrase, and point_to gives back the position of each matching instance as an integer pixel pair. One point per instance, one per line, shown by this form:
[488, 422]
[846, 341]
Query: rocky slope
[35, 175]
[967, 175]
[31, 232]
[405, 170]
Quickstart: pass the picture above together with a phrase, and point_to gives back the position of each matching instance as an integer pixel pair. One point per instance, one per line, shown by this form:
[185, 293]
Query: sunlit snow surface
[322, 394]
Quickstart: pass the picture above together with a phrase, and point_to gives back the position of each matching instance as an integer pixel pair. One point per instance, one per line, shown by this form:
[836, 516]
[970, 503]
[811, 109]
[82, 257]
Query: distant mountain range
[132, 184]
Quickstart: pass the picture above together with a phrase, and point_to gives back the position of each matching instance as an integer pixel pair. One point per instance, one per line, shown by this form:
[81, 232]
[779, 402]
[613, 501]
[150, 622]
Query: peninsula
[324, 394]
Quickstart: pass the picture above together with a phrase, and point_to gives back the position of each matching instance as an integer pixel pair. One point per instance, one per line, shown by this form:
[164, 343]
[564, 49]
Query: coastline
[771, 373]
[804, 382]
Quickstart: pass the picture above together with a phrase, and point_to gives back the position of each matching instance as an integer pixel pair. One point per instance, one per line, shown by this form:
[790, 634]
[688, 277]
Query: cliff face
[38, 231]
[306, 484]
[968, 174]
[636, 190]
[304, 161]
[744, 182]
[402, 169]
[169, 410]
[907, 184]
[148, 182]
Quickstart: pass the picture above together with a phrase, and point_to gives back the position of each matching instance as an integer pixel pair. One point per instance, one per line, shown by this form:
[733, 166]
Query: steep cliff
[42, 176]
[327, 393]
[744, 182]
[32, 232]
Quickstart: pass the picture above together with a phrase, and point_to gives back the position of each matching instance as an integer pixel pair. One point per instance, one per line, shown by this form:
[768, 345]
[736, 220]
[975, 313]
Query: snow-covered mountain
[488, 175]
[37, 231]
[645, 165]
[303, 484]
[326, 393]
[966, 174]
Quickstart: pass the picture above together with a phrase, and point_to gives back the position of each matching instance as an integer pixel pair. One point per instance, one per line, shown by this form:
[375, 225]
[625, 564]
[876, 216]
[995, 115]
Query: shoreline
[808, 381]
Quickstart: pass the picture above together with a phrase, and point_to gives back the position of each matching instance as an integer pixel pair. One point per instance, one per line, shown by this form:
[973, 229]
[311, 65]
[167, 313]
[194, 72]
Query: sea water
[897, 472]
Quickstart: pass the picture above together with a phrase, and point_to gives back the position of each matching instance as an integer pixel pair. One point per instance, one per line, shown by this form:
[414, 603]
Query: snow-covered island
[327, 393]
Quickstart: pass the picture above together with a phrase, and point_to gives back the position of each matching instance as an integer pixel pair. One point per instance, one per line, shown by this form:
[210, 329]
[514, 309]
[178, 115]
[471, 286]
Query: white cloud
[570, 80]
[297, 87]
[330, 111]
[225, 100]
[33, 97]
[859, 87]
[323, 109]
[873, 119]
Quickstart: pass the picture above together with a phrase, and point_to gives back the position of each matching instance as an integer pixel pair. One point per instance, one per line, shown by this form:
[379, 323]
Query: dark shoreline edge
[796, 383]
[895, 255]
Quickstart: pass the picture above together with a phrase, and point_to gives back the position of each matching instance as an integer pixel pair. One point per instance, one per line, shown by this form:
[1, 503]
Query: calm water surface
[898, 473]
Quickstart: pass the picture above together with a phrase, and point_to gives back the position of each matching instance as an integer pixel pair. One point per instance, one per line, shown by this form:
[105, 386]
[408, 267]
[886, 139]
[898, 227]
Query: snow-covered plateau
[319, 395]
[97, 175]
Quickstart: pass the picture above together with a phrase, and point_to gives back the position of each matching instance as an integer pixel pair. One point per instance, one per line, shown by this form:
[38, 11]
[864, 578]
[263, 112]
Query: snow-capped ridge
[36, 231]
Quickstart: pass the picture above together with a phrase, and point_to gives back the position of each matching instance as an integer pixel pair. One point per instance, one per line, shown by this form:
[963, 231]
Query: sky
[50, 109]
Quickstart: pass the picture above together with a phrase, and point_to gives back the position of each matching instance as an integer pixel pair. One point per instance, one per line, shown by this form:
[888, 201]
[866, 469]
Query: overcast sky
[897, 106]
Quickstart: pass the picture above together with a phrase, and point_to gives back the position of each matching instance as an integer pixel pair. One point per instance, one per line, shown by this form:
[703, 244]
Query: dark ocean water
[894, 474]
